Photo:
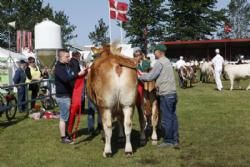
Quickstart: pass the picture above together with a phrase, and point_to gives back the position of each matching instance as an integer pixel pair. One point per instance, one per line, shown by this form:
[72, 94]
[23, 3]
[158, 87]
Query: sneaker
[66, 140]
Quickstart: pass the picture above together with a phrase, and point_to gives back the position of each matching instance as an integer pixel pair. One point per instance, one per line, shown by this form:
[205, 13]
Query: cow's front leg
[107, 126]
[232, 84]
[155, 117]
[128, 112]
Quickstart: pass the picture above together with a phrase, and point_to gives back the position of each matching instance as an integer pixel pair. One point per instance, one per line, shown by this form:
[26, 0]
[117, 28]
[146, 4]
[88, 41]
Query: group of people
[217, 65]
[27, 72]
[68, 77]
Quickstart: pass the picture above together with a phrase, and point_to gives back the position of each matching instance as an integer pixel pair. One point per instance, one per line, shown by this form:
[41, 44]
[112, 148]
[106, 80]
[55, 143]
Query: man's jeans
[169, 120]
[21, 98]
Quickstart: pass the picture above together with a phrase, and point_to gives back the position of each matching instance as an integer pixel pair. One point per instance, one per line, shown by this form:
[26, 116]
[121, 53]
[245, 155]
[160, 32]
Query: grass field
[214, 132]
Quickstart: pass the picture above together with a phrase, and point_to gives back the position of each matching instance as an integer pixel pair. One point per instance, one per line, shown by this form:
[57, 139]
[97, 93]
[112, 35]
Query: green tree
[27, 13]
[193, 19]
[100, 35]
[67, 29]
[239, 18]
[147, 21]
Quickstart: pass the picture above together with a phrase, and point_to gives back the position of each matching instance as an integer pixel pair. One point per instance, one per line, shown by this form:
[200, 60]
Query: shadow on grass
[5, 123]
[117, 143]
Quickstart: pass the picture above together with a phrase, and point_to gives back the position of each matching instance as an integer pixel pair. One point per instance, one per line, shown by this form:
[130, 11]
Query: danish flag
[118, 10]
[227, 28]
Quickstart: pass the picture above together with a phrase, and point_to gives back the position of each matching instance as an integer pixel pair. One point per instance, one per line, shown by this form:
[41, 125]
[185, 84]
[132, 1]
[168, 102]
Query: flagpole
[121, 32]
[110, 39]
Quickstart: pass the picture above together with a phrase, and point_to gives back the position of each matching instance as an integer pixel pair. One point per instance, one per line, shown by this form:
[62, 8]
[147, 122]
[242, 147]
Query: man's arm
[16, 77]
[153, 74]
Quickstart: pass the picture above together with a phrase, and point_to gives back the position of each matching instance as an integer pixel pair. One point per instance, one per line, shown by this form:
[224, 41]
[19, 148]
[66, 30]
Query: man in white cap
[180, 63]
[218, 63]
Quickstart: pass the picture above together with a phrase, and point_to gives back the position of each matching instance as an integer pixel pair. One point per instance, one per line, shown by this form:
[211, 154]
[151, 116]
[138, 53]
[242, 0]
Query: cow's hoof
[128, 154]
[154, 142]
[107, 155]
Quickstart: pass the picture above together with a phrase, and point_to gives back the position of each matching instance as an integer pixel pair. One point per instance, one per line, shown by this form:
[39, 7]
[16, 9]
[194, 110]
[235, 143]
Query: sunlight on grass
[214, 132]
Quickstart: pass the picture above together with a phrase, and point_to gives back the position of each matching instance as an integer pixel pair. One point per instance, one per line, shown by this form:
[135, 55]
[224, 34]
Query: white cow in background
[237, 72]
[207, 71]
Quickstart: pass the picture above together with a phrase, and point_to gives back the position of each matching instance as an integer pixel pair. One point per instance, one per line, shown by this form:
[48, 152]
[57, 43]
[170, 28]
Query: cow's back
[241, 71]
[110, 84]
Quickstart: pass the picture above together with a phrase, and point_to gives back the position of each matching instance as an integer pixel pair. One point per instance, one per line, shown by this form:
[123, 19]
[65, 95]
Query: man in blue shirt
[20, 77]
[63, 81]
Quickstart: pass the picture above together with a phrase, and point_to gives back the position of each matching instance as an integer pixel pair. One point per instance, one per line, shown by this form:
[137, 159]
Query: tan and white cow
[112, 86]
[151, 108]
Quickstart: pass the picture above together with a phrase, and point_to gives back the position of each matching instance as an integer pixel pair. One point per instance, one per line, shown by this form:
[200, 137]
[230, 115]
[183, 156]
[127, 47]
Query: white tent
[8, 65]
[4, 53]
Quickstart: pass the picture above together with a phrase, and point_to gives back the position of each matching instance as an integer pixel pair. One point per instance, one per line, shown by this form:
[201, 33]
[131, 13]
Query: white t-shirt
[218, 62]
[180, 63]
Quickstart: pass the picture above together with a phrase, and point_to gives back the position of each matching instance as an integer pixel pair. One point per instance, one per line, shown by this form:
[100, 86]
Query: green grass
[214, 132]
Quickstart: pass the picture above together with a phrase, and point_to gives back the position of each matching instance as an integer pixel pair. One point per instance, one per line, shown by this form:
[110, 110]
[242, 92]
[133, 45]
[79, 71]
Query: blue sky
[86, 13]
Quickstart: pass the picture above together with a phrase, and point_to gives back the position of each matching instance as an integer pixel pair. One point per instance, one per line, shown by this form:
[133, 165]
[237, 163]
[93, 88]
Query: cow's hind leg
[128, 112]
[107, 126]
[155, 117]
[248, 87]
[142, 123]
[238, 83]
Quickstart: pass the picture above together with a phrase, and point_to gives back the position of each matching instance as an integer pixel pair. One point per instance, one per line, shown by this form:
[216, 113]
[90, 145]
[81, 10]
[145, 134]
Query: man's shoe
[66, 140]
[166, 145]
[176, 146]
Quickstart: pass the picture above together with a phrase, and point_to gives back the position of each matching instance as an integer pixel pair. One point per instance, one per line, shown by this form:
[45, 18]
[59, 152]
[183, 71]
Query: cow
[207, 71]
[112, 86]
[151, 108]
[186, 73]
[237, 72]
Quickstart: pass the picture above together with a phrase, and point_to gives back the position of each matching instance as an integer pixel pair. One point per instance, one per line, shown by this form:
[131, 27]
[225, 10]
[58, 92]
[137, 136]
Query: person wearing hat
[218, 63]
[163, 73]
[240, 60]
[20, 77]
[180, 63]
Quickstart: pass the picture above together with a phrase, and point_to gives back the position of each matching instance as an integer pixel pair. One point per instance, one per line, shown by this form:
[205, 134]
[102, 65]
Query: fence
[27, 99]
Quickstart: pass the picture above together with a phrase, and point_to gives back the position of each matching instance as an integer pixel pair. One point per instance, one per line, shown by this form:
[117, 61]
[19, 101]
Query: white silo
[48, 40]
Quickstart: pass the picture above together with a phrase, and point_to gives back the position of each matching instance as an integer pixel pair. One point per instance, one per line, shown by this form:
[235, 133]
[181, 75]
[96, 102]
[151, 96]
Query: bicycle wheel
[11, 108]
[48, 104]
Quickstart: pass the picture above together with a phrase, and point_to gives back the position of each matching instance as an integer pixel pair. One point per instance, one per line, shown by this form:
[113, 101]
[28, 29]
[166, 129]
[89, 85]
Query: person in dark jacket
[63, 77]
[20, 77]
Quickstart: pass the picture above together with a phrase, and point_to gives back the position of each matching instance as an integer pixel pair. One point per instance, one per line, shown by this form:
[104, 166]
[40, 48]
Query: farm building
[191, 50]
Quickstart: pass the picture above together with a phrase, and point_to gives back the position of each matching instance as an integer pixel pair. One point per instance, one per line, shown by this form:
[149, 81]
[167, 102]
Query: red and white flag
[24, 39]
[118, 10]
[18, 41]
[227, 28]
[30, 41]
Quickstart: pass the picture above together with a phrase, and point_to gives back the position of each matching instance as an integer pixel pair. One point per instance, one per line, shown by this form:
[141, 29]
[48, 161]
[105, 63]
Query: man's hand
[83, 71]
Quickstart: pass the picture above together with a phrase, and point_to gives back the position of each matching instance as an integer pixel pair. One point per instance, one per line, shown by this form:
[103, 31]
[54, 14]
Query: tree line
[152, 21]
[26, 13]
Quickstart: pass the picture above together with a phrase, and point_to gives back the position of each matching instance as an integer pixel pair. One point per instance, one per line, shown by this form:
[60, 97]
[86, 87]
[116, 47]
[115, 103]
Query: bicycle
[8, 103]
[47, 101]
